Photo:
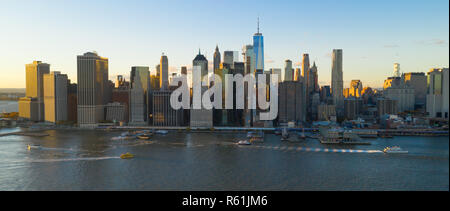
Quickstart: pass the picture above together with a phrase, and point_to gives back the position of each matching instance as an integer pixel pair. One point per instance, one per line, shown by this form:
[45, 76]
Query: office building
[417, 81]
[55, 97]
[115, 112]
[337, 85]
[290, 102]
[249, 59]
[288, 71]
[72, 102]
[216, 64]
[164, 73]
[386, 106]
[352, 108]
[355, 89]
[200, 118]
[438, 93]
[92, 84]
[326, 112]
[137, 102]
[258, 49]
[34, 97]
[396, 89]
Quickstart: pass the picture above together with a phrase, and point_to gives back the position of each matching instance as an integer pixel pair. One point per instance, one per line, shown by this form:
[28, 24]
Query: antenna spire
[258, 24]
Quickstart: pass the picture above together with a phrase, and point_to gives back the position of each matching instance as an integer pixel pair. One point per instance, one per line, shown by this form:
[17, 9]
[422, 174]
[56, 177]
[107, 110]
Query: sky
[373, 34]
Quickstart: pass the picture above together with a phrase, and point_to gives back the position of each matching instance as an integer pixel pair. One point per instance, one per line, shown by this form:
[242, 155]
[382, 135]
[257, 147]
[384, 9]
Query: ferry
[244, 142]
[127, 156]
[394, 150]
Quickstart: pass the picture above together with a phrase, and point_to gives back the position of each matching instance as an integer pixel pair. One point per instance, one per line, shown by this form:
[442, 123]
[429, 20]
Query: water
[9, 106]
[89, 160]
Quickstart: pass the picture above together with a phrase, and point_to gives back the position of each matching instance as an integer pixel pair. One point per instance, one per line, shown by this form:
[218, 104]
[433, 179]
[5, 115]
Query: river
[89, 160]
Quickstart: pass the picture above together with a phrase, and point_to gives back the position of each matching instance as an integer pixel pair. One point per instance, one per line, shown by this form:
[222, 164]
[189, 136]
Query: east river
[89, 160]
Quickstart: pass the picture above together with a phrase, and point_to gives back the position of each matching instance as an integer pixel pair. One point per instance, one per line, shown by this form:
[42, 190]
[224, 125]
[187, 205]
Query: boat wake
[69, 159]
[308, 149]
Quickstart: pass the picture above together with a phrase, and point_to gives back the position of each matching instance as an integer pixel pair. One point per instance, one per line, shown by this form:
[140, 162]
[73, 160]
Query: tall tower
[216, 59]
[288, 71]
[164, 72]
[258, 48]
[337, 85]
[92, 80]
[307, 73]
[315, 78]
[138, 84]
[202, 118]
[35, 90]
[397, 70]
[55, 97]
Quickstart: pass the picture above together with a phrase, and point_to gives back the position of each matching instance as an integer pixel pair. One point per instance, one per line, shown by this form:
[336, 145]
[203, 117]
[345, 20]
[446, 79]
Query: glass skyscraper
[258, 48]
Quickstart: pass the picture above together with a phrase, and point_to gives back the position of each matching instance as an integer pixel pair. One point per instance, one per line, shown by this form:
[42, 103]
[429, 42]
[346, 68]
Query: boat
[144, 136]
[162, 132]
[386, 136]
[127, 156]
[29, 147]
[394, 150]
[244, 142]
[284, 134]
[255, 134]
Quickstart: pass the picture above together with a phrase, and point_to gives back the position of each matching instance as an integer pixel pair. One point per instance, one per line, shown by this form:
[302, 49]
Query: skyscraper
[307, 74]
[183, 70]
[337, 84]
[55, 97]
[356, 88]
[200, 117]
[164, 73]
[144, 83]
[216, 59]
[228, 58]
[137, 101]
[32, 106]
[288, 71]
[92, 78]
[397, 70]
[314, 78]
[438, 93]
[258, 49]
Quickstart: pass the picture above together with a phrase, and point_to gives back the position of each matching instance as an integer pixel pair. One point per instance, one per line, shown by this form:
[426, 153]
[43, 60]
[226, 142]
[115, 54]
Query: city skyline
[372, 43]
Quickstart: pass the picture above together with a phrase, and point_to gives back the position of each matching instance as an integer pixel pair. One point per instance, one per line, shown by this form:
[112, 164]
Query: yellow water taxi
[143, 137]
[127, 156]
[28, 147]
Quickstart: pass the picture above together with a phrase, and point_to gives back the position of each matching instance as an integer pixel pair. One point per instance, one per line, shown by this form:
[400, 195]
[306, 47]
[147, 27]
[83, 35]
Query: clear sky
[372, 34]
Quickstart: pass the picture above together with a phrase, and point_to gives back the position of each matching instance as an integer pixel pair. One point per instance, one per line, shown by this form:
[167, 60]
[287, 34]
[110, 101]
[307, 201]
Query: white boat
[394, 150]
[162, 132]
[244, 142]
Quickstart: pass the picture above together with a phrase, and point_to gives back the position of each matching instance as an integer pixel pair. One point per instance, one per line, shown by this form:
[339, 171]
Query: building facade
[438, 93]
[55, 97]
[337, 85]
[92, 85]
[290, 102]
[34, 96]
